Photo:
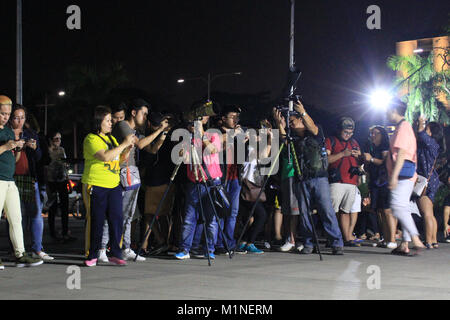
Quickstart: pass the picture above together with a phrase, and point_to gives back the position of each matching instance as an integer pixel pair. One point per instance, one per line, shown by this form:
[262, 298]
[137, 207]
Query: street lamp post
[46, 105]
[210, 78]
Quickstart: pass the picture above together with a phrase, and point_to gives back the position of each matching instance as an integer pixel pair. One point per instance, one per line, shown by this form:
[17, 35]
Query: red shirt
[22, 168]
[346, 162]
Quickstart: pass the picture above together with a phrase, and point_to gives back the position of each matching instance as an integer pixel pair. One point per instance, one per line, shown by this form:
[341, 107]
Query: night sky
[161, 41]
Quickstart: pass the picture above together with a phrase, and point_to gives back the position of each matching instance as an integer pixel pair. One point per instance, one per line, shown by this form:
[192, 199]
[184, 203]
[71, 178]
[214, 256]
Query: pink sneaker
[117, 261]
[90, 263]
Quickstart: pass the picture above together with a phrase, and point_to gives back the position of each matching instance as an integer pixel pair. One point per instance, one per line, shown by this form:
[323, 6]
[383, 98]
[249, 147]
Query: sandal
[429, 246]
[399, 252]
[435, 245]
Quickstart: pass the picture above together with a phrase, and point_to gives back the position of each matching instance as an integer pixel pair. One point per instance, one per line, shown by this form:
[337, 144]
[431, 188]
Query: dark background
[161, 41]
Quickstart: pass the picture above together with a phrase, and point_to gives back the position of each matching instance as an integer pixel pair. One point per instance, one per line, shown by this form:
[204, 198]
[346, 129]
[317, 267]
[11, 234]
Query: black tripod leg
[202, 213]
[302, 189]
[311, 221]
[218, 221]
[259, 195]
[158, 209]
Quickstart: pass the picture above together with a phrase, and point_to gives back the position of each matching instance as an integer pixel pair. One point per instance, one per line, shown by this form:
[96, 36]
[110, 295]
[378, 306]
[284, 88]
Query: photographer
[310, 149]
[210, 145]
[343, 158]
[230, 129]
[158, 169]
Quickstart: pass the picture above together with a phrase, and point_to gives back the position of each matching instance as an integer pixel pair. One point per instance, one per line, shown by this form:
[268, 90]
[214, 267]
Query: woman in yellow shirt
[102, 192]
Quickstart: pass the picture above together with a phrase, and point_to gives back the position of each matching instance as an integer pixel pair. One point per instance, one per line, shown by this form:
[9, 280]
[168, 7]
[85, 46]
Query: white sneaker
[391, 245]
[287, 247]
[299, 247]
[102, 256]
[42, 255]
[128, 254]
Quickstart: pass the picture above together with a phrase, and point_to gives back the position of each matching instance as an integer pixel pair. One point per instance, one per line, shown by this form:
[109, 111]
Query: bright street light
[61, 93]
[380, 99]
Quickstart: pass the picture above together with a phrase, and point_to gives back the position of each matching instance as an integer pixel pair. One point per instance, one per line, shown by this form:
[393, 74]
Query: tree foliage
[424, 85]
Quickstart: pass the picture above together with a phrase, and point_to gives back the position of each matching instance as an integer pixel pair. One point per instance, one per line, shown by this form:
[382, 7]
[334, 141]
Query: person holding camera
[158, 169]
[343, 158]
[376, 151]
[9, 194]
[312, 188]
[135, 119]
[27, 180]
[208, 146]
[102, 192]
[230, 130]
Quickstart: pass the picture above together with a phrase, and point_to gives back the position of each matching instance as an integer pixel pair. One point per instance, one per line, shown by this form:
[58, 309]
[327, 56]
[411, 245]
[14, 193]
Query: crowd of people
[136, 206]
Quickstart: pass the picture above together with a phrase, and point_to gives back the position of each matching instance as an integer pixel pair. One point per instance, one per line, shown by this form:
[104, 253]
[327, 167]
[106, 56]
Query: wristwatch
[371, 159]
[303, 114]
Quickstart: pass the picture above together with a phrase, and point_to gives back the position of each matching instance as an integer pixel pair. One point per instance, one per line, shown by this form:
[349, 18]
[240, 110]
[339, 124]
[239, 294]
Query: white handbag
[422, 183]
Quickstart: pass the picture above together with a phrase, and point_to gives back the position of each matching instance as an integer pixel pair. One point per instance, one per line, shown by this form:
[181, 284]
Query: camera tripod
[290, 146]
[197, 167]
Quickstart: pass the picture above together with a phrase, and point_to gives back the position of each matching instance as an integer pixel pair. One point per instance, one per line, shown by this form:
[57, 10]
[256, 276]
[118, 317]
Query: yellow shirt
[96, 172]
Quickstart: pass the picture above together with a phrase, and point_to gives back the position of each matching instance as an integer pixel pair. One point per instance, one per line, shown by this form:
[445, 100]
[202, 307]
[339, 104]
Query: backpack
[314, 159]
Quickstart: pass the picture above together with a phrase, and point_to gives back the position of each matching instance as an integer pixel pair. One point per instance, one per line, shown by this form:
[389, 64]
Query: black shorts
[380, 198]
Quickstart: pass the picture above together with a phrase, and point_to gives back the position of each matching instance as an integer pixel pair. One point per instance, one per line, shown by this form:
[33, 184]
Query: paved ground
[272, 275]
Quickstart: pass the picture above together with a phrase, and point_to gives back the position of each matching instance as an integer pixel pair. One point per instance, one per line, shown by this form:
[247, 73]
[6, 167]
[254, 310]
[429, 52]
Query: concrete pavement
[362, 273]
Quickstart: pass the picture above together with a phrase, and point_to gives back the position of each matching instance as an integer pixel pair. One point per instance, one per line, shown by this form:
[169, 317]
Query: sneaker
[391, 245]
[129, 254]
[117, 261]
[90, 263]
[102, 256]
[337, 251]
[448, 238]
[242, 248]
[252, 249]
[43, 256]
[159, 250]
[197, 253]
[211, 256]
[299, 247]
[287, 247]
[220, 251]
[26, 260]
[2, 267]
[182, 255]
[307, 250]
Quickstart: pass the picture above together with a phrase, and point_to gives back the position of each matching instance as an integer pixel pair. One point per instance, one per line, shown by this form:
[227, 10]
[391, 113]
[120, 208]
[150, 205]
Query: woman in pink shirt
[402, 152]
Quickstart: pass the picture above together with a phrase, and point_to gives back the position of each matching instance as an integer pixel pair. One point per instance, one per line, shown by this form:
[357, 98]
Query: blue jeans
[192, 214]
[32, 219]
[233, 190]
[317, 190]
